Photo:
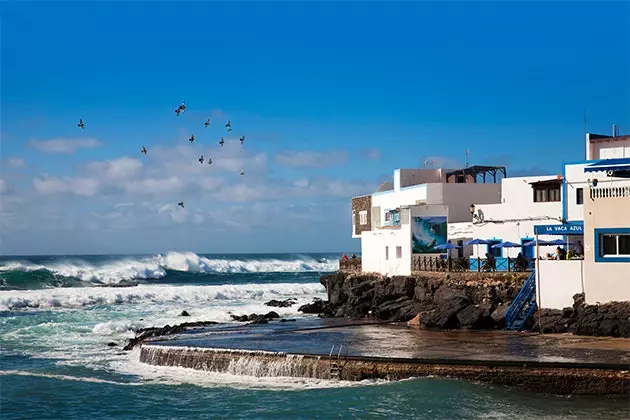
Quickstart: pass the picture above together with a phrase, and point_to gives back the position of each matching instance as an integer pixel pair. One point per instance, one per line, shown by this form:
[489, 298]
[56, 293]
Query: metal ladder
[335, 370]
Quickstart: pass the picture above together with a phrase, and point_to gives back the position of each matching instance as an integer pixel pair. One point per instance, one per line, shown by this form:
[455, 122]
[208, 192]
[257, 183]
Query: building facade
[413, 216]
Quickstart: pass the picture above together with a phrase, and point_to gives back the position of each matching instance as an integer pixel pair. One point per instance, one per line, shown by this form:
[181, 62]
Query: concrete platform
[559, 364]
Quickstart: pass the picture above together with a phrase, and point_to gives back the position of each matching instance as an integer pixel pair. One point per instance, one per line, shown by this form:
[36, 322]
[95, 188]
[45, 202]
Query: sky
[331, 97]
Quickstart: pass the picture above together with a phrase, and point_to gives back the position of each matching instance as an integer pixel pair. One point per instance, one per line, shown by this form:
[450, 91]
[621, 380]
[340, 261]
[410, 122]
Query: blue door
[527, 251]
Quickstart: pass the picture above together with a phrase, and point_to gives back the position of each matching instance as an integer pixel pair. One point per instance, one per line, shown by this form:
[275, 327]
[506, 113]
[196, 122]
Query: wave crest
[116, 271]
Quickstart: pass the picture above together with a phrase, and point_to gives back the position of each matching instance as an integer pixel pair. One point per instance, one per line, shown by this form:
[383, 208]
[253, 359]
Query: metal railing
[438, 263]
[523, 305]
[610, 192]
[350, 264]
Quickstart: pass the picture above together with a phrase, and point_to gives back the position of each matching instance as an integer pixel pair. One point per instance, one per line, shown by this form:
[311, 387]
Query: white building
[571, 207]
[415, 213]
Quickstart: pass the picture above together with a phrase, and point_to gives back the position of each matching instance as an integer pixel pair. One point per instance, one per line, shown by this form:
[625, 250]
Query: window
[399, 252]
[615, 245]
[545, 192]
[387, 253]
[363, 217]
[612, 244]
[579, 196]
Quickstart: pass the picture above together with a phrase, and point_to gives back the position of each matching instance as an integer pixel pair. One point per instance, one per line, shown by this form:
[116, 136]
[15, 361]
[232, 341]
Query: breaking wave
[183, 266]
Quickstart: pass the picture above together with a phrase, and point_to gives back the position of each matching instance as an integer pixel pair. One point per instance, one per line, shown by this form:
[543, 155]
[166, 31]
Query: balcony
[610, 192]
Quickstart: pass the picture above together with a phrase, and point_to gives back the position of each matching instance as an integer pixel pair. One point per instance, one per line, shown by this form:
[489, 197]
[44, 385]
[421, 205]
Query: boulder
[445, 316]
[414, 322]
[498, 316]
[111, 344]
[316, 307]
[281, 303]
[184, 313]
[475, 317]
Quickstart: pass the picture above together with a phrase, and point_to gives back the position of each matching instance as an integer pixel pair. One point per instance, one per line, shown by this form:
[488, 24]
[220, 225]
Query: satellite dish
[480, 215]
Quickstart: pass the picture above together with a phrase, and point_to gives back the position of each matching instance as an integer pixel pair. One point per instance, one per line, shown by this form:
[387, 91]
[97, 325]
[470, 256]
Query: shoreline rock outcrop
[610, 319]
[435, 300]
[144, 333]
[474, 301]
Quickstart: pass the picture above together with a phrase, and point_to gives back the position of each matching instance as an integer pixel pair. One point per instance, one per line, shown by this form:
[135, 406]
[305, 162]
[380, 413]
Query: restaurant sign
[564, 229]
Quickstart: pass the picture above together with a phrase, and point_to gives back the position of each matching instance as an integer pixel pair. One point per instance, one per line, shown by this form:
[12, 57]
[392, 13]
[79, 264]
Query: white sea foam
[155, 267]
[221, 296]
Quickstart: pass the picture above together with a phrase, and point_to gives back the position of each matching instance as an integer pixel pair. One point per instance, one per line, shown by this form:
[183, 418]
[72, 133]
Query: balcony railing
[437, 263]
[610, 192]
[350, 265]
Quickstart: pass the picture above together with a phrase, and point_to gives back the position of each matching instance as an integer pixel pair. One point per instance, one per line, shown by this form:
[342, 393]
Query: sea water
[57, 315]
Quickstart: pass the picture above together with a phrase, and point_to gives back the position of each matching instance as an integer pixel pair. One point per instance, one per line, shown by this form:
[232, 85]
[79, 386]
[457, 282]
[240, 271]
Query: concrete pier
[560, 364]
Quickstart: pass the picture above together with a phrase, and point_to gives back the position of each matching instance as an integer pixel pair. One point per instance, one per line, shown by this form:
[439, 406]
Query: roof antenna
[584, 122]
[467, 154]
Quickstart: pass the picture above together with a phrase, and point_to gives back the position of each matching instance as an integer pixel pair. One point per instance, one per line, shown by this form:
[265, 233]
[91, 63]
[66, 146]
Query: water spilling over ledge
[605, 372]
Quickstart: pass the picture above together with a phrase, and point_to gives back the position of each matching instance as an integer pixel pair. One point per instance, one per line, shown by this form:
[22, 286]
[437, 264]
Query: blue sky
[331, 97]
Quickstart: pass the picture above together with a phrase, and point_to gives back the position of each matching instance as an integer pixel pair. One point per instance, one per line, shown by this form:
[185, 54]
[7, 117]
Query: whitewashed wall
[608, 148]
[373, 245]
[559, 281]
[518, 205]
[390, 200]
[605, 281]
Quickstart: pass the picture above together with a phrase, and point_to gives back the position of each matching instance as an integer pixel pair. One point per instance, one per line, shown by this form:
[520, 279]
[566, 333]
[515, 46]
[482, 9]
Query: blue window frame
[612, 245]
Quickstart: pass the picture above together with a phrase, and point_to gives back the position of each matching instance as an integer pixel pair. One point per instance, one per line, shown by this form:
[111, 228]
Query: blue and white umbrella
[507, 244]
[477, 242]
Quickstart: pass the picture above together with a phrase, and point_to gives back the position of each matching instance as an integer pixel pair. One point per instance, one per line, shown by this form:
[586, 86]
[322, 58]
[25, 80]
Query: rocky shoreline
[431, 300]
[473, 301]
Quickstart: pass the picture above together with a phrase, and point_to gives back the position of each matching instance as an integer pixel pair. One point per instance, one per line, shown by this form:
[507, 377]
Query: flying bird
[222, 142]
[207, 123]
[181, 108]
[81, 125]
[242, 140]
[181, 204]
[242, 171]
[228, 125]
[201, 159]
[144, 150]
[192, 139]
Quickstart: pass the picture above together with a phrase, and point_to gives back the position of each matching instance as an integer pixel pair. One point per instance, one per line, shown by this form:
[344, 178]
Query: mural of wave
[427, 233]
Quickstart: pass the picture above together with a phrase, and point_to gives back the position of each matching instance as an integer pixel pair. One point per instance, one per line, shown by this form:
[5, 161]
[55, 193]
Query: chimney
[614, 130]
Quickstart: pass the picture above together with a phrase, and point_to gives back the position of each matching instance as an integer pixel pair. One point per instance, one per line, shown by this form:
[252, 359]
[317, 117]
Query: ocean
[58, 313]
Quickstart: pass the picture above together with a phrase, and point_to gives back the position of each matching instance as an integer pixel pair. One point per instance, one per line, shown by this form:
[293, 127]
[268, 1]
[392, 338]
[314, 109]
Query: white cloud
[312, 159]
[122, 168]
[64, 145]
[4, 187]
[15, 162]
[372, 154]
[66, 185]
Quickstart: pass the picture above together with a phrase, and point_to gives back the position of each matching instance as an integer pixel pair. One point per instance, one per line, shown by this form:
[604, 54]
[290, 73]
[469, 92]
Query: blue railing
[523, 305]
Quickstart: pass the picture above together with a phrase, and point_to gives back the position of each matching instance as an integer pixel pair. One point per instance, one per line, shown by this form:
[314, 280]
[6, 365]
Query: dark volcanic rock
[184, 313]
[144, 333]
[475, 317]
[111, 344]
[445, 316]
[316, 307]
[281, 303]
[498, 316]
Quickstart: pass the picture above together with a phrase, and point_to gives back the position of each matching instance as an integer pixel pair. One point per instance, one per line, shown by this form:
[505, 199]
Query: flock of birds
[191, 139]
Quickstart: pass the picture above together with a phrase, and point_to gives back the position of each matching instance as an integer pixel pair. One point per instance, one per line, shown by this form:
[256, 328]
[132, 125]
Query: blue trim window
[612, 244]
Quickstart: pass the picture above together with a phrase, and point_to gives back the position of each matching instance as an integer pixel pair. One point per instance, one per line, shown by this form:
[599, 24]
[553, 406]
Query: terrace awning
[619, 164]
